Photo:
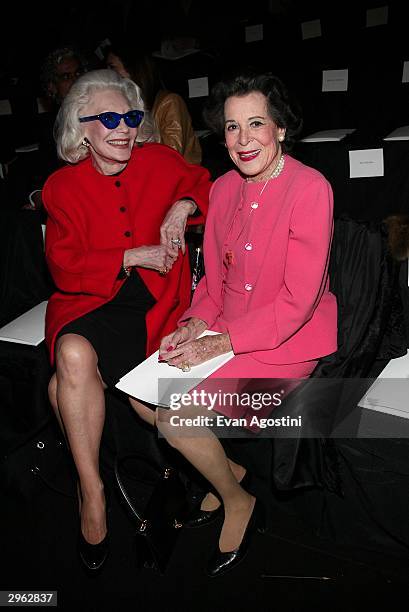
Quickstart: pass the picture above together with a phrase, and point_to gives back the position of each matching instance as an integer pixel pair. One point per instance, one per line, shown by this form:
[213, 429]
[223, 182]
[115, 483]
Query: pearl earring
[85, 143]
[281, 138]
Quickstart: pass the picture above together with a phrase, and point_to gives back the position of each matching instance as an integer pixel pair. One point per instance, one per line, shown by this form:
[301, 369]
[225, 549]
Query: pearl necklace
[275, 173]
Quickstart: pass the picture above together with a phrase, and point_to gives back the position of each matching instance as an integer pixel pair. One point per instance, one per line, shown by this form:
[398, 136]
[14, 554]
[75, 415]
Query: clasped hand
[183, 347]
[155, 257]
[161, 257]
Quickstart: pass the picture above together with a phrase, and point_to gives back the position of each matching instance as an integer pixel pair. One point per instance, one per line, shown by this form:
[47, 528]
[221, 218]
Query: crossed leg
[205, 452]
[76, 393]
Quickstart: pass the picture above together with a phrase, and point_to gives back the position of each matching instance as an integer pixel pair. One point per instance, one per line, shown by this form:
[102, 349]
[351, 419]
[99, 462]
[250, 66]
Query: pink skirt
[263, 387]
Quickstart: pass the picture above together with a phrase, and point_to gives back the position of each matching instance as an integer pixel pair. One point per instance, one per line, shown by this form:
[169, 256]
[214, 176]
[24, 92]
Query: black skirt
[117, 330]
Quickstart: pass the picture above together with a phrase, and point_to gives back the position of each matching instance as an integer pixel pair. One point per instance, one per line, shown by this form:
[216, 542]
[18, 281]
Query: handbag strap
[163, 476]
[35, 470]
[124, 492]
[43, 440]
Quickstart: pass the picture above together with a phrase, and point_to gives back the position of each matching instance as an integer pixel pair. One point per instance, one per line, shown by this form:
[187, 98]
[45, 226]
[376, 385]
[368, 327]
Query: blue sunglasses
[111, 120]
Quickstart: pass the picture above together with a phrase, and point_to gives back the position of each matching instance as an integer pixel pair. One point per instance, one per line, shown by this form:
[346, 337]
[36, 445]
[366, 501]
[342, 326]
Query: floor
[286, 569]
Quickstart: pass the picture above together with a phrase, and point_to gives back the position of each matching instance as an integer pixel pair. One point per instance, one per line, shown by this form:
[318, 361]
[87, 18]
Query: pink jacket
[291, 315]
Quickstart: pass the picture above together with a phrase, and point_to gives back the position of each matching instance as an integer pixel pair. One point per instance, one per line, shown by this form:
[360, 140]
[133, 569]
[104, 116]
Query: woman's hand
[198, 351]
[154, 257]
[182, 335]
[172, 231]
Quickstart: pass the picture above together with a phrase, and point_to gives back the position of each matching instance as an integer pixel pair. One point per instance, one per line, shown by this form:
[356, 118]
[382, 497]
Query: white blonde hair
[69, 132]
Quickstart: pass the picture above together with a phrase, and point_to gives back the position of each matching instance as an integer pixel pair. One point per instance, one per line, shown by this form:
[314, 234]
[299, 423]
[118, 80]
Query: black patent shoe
[93, 556]
[222, 562]
[200, 518]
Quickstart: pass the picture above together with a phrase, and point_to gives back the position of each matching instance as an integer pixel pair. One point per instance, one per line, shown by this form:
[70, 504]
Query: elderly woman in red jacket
[115, 248]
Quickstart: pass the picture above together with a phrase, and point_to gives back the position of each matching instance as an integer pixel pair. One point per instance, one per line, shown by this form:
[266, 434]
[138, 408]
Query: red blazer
[93, 219]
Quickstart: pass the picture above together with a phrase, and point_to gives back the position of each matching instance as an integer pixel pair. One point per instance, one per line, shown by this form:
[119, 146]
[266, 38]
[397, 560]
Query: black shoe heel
[222, 562]
[247, 483]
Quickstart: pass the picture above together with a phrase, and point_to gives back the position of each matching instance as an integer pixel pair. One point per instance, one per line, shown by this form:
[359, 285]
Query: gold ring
[164, 271]
[185, 366]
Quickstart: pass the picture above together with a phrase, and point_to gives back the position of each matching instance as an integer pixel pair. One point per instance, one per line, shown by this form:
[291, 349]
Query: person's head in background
[135, 64]
[59, 71]
[169, 111]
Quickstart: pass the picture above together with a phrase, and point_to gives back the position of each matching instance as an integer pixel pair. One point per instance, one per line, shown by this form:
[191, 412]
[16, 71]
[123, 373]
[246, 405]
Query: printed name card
[254, 33]
[99, 51]
[377, 16]
[5, 108]
[389, 392]
[311, 29]
[198, 87]
[335, 80]
[405, 73]
[365, 163]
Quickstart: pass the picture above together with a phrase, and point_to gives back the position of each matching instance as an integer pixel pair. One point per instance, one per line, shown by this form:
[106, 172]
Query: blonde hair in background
[68, 131]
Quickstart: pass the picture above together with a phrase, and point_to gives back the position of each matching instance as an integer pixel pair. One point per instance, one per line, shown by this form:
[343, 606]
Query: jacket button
[122, 208]
[254, 205]
[128, 234]
[248, 286]
[117, 183]
[248, 246]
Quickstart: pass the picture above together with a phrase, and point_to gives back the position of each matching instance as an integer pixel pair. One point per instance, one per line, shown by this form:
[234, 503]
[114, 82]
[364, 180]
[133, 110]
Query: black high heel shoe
[222, 562]
[94, 556]
[200, 518]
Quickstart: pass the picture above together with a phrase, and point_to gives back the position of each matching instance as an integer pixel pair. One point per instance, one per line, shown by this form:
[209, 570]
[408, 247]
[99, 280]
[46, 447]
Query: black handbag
[42, 460]
[163, 497]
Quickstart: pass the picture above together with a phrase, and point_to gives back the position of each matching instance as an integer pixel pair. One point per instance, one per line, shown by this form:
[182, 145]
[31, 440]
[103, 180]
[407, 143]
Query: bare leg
[210, 502]
[207, 455]
[81, 406]
[52, 395]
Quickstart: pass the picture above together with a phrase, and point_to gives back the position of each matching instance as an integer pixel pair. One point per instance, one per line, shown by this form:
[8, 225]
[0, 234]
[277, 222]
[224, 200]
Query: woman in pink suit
[266, 249]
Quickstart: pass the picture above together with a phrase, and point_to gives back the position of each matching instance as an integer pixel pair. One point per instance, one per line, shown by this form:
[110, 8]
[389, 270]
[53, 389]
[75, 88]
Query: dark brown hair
[282, 108]
[142, 68]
